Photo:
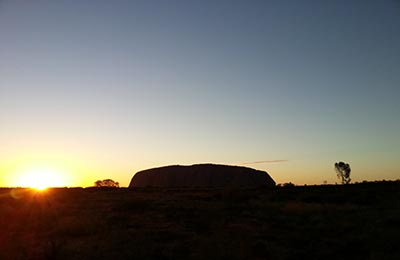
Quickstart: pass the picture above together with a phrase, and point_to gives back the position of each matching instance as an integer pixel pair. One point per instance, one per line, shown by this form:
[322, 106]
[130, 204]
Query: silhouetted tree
[288, 184]
[106, 183]
[343, 172]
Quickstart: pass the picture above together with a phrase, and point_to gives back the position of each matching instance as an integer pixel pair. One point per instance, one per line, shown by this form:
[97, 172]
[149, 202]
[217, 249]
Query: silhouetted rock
[201, 175]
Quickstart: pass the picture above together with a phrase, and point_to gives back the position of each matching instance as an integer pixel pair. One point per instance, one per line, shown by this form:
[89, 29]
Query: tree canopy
[343, 172]
[106, 183]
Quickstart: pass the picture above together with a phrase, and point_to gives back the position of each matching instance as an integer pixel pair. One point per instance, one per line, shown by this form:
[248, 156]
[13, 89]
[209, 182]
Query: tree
[106, 183]
[343, 172]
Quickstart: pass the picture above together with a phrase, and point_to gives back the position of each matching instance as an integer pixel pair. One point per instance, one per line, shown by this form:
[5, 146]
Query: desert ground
[355, 221]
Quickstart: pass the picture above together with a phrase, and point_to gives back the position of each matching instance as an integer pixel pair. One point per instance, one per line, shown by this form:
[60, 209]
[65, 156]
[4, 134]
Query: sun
[41, 179]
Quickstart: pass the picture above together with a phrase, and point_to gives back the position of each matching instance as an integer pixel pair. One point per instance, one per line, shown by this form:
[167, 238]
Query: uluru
[201, 175]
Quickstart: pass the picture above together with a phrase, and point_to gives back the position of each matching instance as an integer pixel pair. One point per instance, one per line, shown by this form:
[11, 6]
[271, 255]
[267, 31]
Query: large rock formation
[201, 175]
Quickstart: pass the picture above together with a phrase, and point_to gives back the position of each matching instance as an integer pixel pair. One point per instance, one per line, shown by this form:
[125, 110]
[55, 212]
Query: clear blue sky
[107, 88]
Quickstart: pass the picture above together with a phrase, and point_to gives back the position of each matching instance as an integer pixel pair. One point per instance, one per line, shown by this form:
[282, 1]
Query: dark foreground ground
[316, 222]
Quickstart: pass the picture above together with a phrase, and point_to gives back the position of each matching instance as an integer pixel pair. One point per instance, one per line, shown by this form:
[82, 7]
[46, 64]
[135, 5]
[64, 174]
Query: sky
[93, 89]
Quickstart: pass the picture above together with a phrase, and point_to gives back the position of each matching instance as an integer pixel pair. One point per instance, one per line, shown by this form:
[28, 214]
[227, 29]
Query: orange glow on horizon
[41, 178]
[42, 169]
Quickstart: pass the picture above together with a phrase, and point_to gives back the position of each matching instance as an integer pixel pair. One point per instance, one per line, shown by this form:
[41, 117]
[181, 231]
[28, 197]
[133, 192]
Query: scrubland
[357, 221]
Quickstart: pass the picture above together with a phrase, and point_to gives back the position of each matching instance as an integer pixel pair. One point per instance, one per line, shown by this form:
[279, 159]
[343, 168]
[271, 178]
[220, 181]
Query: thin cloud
[265, 162]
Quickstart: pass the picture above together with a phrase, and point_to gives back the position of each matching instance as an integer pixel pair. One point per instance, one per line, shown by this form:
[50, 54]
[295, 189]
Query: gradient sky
[103, 89]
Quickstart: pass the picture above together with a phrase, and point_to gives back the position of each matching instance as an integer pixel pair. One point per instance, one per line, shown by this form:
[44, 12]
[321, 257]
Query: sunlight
[41, 179]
